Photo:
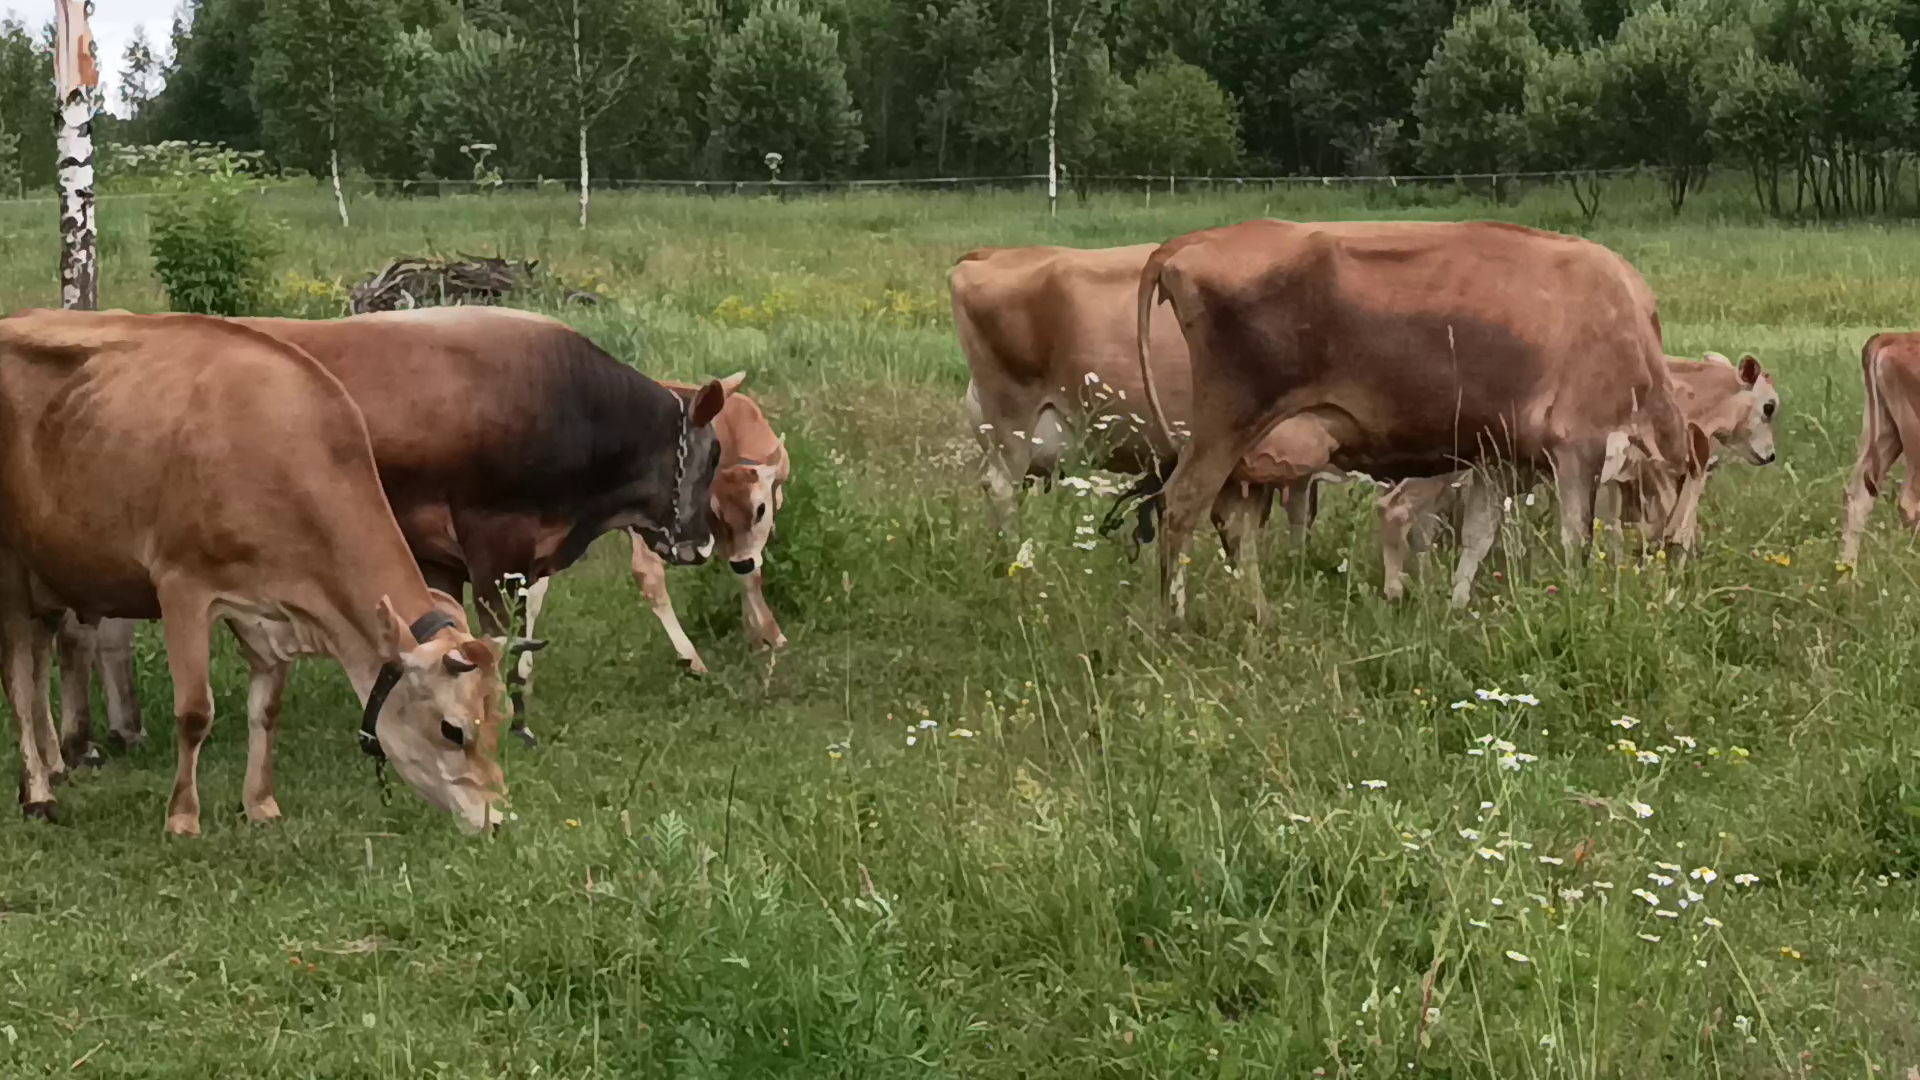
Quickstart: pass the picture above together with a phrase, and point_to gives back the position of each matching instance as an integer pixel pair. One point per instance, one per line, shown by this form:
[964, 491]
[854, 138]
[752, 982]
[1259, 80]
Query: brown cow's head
[440, 723]
[1664, 494]
[1744, 423]
[745, 499]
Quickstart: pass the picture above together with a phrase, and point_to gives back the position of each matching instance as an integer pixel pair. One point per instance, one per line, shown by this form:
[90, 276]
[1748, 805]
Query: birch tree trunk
[580, 100]
[333, 151]
[1053, 116]
[76, 78]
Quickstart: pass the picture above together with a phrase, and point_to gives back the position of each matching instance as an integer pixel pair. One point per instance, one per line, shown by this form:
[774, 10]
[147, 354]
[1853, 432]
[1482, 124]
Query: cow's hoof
[183, 825]
[526, 736]
[48, 811]
[267, 809]
[693, 665]
[119, 742]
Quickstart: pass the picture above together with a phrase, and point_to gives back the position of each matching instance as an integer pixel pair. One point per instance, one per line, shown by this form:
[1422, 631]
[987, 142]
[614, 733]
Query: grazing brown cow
[507, 442]
[748, 490]
[1889, 428]
[1049, 337]
[192, 470]
[1734, 406]
[1421, 347]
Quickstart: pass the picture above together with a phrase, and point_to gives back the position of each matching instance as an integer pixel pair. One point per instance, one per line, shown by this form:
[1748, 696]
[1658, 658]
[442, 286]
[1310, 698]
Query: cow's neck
[357, 631]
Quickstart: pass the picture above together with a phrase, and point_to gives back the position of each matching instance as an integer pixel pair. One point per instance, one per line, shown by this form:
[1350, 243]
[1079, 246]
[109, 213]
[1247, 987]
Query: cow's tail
[1151, 293]
[1143, 497]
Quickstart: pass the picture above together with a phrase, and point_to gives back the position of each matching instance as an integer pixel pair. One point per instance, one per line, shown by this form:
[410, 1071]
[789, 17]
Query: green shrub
[210, 248]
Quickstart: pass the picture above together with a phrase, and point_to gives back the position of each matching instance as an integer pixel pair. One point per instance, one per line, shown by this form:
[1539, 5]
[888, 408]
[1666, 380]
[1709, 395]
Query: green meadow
[1634, 820]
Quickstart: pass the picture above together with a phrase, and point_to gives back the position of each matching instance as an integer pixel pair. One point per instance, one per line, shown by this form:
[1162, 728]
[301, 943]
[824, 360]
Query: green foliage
[1181, 122]
[210, 247]
[26, 104]
[1471, 98]
[1568, 126]
[1762, 116]
[1657, 76]
[322, 79]
[779, 86]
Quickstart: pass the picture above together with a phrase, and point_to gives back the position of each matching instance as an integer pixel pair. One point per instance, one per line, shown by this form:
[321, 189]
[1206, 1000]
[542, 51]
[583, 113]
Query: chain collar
[423, 628]
[679, 471]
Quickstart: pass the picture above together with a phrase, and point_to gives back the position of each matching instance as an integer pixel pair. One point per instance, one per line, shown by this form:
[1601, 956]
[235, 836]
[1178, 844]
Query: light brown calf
[192, 470]
[1889, 429]
[1733, 406]
[749, 488]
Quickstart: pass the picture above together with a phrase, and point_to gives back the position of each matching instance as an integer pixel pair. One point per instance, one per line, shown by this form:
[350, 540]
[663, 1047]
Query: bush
[210, 249]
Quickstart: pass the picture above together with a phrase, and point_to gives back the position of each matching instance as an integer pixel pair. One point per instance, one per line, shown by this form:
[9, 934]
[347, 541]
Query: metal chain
[679, 471]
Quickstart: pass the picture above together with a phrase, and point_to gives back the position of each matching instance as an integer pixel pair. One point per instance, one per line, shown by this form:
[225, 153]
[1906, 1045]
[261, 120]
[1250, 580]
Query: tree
[138, 70]
[594, 47]
[1761, 116]
[321, 80]
[1568, 127]
[1656, 73]
[1181, 121]
[1471, 98]
[209, 81]
[26, 81]
[780, 86]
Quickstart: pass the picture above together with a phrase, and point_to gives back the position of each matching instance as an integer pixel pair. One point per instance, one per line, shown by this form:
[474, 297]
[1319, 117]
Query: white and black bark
[79, 266]
[580, 111]
[1053, 120]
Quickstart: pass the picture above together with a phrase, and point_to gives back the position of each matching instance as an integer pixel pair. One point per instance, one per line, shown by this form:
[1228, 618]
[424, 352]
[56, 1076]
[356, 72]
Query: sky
[113, 25]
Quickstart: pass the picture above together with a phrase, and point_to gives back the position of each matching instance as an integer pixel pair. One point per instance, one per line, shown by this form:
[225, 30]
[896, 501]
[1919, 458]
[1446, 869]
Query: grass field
[981, 823]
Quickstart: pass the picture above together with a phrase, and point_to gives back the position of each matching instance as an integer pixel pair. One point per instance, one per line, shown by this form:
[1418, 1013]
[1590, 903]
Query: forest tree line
[1814, 100]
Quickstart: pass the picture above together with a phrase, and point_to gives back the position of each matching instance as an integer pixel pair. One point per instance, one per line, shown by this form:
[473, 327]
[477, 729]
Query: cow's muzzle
[743, 567]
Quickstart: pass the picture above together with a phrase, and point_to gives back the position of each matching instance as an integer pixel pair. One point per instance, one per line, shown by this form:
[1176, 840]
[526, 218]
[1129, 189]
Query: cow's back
[137, 442]
[1054, 326]
[486, 405]
[1434, 337]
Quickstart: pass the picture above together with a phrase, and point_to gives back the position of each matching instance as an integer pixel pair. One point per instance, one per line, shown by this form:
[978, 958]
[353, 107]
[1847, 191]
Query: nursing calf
[1420, 348]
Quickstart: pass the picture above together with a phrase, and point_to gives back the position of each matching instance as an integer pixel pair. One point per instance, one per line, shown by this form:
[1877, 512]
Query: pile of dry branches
[413, 282]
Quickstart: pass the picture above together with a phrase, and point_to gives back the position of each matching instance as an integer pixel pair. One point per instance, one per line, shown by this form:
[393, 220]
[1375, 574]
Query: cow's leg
[185, 622]
[1194, 485]
[763, 630]
[113, 640]
[1397, 511]
[1001, 479]
[1237, 513]
[267, 682]
[1303, 505]
[46, 732]
[496, 611]
[1576, 470]
[523, 667]
[1479, 528]
[650, 573]
[22, 636]
[1879, 447]
[78, 648]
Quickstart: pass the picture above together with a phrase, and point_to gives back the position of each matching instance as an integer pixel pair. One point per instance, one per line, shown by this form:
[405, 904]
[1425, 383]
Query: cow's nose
[1768, 460]
[743, 567]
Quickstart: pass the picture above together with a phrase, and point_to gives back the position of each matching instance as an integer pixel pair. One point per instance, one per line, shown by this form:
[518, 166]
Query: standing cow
[1425, 347]
[506, 442]
[1049, 338]
[192, 470]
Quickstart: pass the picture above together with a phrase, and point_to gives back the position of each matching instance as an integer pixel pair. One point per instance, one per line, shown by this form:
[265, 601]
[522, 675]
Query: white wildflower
[1487, 853]
[1640, 809]
[1552, 861]
[1703, 875]
[1746, 879]
[1661, 880]
[1652, 900]
[1625, 722]
[1655, 938]
[1519, 957]
[1469, 834]
[1713, 922]
[1374, 785]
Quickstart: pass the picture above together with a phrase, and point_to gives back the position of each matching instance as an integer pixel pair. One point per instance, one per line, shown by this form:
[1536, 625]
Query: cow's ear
[1750, 371]
[1699, 448]
[707, 403]
[731, 384]
[1615, 465]
[396, 640]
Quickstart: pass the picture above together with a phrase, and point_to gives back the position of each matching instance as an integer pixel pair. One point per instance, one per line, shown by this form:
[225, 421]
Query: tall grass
[987, 821]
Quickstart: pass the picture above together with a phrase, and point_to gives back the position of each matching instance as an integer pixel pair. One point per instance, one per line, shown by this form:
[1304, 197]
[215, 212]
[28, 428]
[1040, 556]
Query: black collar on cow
[423, 628]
